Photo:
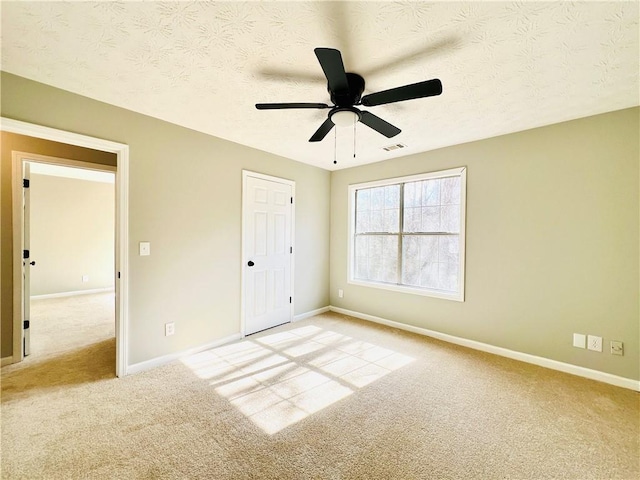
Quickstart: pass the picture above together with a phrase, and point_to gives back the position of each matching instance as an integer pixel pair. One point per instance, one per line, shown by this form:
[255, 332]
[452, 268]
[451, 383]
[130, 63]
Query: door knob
[251, 264]
[32, 262]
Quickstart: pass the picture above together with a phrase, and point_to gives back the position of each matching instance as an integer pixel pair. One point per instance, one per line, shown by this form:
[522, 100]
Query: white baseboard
[312, 313]
[72, 294]
[156, 362]
[6, 361]
[503, 352]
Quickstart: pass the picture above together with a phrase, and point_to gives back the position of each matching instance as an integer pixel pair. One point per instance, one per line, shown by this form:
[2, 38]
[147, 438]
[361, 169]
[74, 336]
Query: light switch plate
[579, 340]
[145, 249]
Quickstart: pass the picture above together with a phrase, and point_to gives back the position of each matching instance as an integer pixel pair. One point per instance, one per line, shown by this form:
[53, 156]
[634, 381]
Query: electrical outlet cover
[617, 347]
[145, 249]
[594, 343]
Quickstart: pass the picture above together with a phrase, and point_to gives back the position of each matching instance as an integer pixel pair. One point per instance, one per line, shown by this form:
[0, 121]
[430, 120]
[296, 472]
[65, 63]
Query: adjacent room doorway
[267, 251]
[121, 230]
[68, 255]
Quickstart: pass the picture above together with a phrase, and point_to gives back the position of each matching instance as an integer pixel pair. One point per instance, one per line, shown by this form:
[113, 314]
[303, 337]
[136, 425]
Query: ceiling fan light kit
[345, 116]
[345, 90]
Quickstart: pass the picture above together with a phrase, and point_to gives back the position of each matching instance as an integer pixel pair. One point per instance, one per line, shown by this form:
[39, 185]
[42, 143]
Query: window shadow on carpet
[279, 379]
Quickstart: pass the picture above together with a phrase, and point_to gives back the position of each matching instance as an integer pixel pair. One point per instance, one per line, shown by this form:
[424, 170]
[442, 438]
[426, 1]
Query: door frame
[121, 228]
[19, 160]
[243, 277]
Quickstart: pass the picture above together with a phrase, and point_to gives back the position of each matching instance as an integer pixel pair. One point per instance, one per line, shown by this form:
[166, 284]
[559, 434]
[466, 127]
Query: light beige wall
[552, 242]
[185, 198]
[11, 142]
[72, 234]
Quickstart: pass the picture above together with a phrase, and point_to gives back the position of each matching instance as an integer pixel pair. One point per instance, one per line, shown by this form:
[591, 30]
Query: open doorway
[69, 225]
[16, 283]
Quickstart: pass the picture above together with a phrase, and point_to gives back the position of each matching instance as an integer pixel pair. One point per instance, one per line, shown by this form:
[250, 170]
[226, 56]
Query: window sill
[458, 297]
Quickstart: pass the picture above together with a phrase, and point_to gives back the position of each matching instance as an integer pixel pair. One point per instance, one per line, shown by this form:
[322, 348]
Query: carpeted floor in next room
[330, 397]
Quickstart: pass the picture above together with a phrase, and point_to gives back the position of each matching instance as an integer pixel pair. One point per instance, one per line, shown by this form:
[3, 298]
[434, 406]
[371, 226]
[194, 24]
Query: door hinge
[290, 249]
[118, 274]
[292, 200]
[289, 299]
[25, 254]
[26, 324]
[25, 182]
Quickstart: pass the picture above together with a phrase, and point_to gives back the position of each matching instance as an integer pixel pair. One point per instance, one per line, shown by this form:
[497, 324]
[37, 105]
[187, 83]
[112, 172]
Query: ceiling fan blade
[290, 75]
[341, 16]
[322, 131]
[379, 125]
[419, 54]
[331, 63]
[428, 88]
[277, 106]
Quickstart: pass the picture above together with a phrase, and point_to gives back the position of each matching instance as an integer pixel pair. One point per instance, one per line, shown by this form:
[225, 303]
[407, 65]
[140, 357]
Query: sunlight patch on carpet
[279, 379]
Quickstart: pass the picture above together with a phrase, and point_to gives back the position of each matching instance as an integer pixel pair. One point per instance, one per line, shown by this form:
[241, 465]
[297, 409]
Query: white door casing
[121, 227]
[26, 259]
[267, 251]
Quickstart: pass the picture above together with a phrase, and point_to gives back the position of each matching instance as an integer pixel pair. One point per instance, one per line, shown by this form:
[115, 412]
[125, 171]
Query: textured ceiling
[504, 66]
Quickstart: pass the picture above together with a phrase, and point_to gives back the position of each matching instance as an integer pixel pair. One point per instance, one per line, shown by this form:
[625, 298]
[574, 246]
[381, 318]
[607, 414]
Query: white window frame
[459, 296]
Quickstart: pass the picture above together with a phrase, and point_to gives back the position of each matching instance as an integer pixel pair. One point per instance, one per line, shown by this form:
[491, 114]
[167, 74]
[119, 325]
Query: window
[407, 234]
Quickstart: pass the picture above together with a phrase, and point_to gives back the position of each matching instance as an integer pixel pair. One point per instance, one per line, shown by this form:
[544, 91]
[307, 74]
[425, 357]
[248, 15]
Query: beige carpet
[330, 397]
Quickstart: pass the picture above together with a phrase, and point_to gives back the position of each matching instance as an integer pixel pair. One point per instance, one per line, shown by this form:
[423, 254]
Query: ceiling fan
[345, 90]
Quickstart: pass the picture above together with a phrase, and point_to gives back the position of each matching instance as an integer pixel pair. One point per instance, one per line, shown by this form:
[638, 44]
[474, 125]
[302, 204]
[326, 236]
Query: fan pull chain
[335, 146]
[354, 137]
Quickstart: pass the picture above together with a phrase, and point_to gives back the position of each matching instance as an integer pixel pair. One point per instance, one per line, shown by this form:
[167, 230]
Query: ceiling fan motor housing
[351, 97]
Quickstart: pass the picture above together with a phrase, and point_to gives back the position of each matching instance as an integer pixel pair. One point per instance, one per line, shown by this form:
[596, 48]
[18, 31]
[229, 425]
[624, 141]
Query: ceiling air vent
[395, 146]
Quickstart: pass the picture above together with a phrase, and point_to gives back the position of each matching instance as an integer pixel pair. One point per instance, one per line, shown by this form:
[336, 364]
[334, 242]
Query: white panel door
[267, 211]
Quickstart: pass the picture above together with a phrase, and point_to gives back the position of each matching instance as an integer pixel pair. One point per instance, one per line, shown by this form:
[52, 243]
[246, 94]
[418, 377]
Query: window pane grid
[378, 209]
[432, 205]
[431, 261]
[376, 258]
[407, 234]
